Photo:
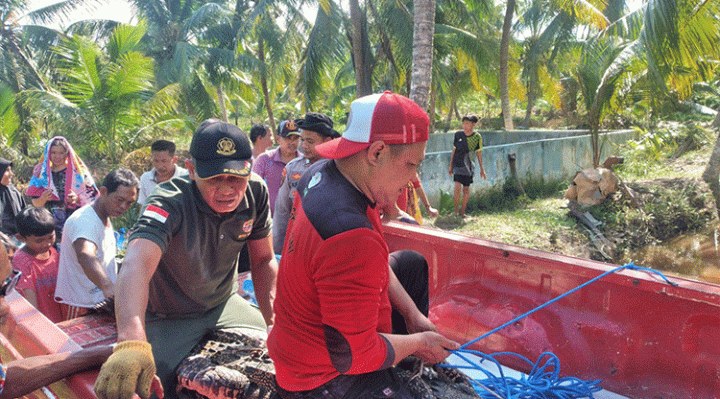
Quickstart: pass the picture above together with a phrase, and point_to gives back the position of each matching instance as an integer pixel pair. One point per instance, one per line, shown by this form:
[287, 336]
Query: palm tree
[9, 120]
[549, 37]
[25, 54]
[361, 53]
[275, 49]
[325, 67]
[171, 30]
[15, 51]
[465, 47]
[660, 49]
[212, 49]
[325, 53]
[599, 83]
[18, 70]
[106, 96]
[504, 51]
[172, 40]
[423, 31]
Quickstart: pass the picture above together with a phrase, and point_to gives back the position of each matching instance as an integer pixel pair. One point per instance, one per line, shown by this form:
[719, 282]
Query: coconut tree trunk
[594, 120]
[423, 31]
[453, 105]
[263, 82]
[431, 111]
[360, 59]
[504, 50]
[530, 105]
[384, 39]
[221, 102]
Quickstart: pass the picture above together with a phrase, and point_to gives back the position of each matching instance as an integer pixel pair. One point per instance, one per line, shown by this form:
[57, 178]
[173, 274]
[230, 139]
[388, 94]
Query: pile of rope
[543, 381]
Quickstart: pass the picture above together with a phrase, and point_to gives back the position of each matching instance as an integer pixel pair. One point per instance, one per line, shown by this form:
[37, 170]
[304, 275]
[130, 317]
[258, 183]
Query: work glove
[130, 369]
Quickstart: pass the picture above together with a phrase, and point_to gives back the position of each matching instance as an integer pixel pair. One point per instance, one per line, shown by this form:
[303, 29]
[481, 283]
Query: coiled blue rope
[543, 381]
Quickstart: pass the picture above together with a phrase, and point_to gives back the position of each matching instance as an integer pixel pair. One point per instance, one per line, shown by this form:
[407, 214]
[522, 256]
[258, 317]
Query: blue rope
[630, 266]
[543, 381]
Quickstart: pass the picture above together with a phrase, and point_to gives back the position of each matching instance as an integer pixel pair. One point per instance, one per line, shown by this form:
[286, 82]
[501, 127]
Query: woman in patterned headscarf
[12, 201]
[61, 182]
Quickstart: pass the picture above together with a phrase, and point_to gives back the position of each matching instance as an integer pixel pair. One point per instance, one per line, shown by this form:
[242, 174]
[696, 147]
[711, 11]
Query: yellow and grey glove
[129, 369]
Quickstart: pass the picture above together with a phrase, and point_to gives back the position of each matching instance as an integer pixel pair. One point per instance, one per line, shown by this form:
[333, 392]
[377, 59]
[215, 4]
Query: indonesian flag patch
[156, 213]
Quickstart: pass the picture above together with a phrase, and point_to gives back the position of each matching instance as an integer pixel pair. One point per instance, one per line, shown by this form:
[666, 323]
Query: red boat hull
[641, 336]
[28, 333]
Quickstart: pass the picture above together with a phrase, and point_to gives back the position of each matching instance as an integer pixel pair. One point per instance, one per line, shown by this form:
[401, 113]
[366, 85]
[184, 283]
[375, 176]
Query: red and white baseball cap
[388, 117]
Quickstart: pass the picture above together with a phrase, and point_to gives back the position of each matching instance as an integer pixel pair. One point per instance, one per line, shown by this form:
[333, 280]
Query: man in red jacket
[332, 335]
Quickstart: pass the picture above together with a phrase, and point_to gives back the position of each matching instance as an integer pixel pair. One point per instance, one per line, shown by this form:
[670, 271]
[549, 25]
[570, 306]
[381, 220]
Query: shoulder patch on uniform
[157, 213]
[315, 180]
[247, 226]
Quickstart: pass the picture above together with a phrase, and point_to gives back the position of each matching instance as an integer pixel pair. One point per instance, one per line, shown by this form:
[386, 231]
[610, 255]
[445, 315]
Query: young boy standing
[465, 142]
[38, 261]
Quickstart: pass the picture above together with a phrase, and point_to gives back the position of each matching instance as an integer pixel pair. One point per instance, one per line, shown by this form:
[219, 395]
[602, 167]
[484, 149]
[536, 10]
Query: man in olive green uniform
[178, 279]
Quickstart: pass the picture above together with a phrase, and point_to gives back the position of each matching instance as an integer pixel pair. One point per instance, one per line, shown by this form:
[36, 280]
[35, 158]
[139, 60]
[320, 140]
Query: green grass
[532, 225]
[539, 223]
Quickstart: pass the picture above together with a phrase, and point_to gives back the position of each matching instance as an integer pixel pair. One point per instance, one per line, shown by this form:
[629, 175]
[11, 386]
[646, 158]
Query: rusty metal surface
[642, 337]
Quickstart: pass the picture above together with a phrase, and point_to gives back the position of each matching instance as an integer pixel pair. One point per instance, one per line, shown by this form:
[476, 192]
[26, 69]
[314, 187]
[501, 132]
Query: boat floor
[490, 367]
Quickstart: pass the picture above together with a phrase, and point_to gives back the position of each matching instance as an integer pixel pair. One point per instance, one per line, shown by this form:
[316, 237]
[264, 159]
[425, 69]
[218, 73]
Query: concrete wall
[552, 155]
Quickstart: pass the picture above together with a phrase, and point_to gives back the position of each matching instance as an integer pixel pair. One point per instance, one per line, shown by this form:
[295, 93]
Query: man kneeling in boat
[181, 264]
[332, 334]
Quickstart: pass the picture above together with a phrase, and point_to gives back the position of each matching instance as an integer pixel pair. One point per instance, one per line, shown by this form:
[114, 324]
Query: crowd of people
[337, 322]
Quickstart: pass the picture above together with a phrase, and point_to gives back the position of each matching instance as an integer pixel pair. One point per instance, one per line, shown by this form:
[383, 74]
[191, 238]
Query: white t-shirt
[73, 287]
[148, 182]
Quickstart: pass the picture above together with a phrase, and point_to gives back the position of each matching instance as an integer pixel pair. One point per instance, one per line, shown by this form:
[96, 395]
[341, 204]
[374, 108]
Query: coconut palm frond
[587, 11]
[324, 45]
[209, 14]
[9, 119]
[98, 29]
[61, 11]
[126, 39]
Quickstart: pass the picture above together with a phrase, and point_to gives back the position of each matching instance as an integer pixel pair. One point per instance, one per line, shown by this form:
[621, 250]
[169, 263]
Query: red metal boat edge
[28, 333]
[641, 336]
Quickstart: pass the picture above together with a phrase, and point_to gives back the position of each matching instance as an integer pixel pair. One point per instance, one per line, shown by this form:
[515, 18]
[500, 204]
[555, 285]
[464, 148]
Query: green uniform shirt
[198, 267]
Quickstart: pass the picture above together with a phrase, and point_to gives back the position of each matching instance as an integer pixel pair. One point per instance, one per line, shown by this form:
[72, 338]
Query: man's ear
[103, 191]
[190, 166]
[374, 151]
